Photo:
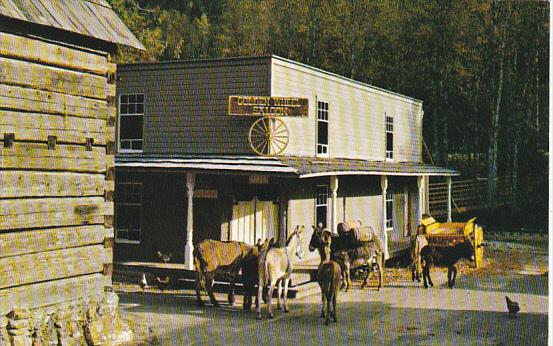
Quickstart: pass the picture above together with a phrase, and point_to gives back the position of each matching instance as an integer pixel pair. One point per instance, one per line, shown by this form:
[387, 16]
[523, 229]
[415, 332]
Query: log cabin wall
[57, 119]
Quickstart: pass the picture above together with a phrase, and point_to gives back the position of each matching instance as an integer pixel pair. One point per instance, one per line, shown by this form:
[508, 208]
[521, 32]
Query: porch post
[189, 247]
[384, 186]
[334, 194]
[420, 209]
[449, 199]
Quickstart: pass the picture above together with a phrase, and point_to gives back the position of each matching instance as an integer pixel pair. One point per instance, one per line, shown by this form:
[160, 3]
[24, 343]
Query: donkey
[446, 256]
[212, 256]
[275, 267]
[329, 278]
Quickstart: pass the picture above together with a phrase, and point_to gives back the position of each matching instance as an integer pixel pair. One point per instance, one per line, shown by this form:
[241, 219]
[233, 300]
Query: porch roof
[308, 167]
[293, 166]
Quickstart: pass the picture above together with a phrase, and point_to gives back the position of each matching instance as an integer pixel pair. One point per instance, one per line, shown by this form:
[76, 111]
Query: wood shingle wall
[57, 118]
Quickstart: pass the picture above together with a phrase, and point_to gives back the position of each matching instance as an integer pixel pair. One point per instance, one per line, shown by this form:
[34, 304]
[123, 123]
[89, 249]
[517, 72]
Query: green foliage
[446, 53]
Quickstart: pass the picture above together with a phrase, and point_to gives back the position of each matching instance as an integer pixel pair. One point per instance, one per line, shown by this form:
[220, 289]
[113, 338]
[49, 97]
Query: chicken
[162, 284]
[164, 257]
[143, 282]
[512, 306]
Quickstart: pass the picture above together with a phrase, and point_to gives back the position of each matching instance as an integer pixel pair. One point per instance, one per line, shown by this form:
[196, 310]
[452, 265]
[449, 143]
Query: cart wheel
[478, 246]
[268, 136]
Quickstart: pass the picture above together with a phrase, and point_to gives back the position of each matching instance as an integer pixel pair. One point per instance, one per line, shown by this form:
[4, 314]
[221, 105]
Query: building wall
[57, 119]
[356, 115]
[186, 103]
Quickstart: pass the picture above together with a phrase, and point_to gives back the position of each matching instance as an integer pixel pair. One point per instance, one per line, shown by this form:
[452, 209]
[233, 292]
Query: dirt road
[474, 312]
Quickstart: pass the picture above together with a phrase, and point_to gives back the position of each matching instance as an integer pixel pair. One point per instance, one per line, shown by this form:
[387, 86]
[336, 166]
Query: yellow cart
[450, 233]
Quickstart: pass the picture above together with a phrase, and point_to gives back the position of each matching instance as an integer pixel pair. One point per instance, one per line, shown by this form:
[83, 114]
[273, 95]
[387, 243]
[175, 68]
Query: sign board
[277, 106]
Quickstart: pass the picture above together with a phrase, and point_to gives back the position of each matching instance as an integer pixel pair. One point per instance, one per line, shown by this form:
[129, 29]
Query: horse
[211, 256]
[275, 267]
[445, 256]
[369, 254]
[329, 277]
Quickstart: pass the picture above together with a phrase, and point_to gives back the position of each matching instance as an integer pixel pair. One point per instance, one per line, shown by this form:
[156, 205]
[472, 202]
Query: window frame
[124, 203]
[389, 222]
[318, 195]
[322, 117]
[126, 115]
[389, 130]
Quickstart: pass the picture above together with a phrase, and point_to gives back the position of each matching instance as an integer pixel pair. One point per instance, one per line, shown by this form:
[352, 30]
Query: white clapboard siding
[356, 115]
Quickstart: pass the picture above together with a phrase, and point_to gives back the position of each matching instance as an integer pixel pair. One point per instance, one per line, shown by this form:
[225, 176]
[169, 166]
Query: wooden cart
[450, 233]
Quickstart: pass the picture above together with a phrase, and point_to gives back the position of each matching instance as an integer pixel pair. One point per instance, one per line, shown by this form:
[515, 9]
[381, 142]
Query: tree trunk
[493, 133]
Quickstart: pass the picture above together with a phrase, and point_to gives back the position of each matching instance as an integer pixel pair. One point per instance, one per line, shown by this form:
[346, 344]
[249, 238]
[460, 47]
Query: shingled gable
[91, 18]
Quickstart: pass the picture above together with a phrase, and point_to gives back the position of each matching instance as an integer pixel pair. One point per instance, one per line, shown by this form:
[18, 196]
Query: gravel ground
[474, 312]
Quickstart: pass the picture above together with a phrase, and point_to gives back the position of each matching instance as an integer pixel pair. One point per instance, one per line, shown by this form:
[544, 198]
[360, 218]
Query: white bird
[143, 282]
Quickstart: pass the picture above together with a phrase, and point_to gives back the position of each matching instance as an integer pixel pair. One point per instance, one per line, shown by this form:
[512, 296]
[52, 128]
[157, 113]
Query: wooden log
[51, 265]
[24, 99]
[51, 184]
[42, 77]
[41, 240]
[53, 212]
[72, 158]
[67, 129]
[89, 287]
[38, 51]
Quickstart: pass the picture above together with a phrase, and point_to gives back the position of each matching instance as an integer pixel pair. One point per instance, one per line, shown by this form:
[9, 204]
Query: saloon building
[247, 148]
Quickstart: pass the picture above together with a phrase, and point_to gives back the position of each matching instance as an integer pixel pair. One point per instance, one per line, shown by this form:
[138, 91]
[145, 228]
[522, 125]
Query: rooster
[162, 284]
[143, 282]
[512, 306]
[164, 257]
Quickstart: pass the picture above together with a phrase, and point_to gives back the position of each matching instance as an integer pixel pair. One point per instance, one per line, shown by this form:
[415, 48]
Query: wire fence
[468, 194]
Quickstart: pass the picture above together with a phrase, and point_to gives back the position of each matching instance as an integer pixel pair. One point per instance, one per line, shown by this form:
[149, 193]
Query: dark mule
[211, 256]
[250, 267]
[444, 256]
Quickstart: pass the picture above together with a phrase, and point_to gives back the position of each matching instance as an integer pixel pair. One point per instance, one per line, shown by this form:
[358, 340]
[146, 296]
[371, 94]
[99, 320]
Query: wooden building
[57, 146]
[188, 167]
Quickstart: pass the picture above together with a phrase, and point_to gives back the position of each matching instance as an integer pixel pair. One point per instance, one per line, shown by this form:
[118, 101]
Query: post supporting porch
[189, 247]
[448, 199]
[334, 206]
[384, 186]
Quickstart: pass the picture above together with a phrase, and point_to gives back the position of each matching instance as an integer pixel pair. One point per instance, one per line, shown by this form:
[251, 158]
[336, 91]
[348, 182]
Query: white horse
[275, 267]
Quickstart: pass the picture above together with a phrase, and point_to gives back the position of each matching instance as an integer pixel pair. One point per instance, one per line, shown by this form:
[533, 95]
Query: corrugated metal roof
[252, 164]
[92, 18]
[301, 167]
[308, 167]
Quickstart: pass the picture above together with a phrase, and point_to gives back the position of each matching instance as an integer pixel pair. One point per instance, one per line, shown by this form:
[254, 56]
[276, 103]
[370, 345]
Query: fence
[467, 194]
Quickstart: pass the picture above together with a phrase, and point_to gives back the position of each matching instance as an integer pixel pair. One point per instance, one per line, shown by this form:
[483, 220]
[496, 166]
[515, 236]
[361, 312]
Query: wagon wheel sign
[268, 135]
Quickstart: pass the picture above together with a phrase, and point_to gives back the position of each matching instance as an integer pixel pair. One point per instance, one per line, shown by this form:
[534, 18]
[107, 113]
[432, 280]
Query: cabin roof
[91, 18]
[293, 166]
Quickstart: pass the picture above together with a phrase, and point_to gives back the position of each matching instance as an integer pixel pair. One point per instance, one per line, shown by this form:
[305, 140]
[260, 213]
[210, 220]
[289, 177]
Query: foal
[329, 278]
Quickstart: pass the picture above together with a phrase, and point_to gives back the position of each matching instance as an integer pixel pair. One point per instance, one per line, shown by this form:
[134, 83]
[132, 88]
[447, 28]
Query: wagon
[449, 233]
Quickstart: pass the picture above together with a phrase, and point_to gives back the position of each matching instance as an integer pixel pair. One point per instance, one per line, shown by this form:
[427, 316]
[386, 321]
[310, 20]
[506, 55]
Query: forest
[480, 67]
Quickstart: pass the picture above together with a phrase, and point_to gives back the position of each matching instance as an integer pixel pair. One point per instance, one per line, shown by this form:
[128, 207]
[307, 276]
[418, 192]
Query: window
[321, 204]
[131, 114]
[389, 211]
[128, 201]
[389, 137]
[322, 128]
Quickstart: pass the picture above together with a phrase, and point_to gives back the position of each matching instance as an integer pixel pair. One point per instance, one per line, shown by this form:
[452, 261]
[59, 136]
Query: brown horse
[211, 256]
